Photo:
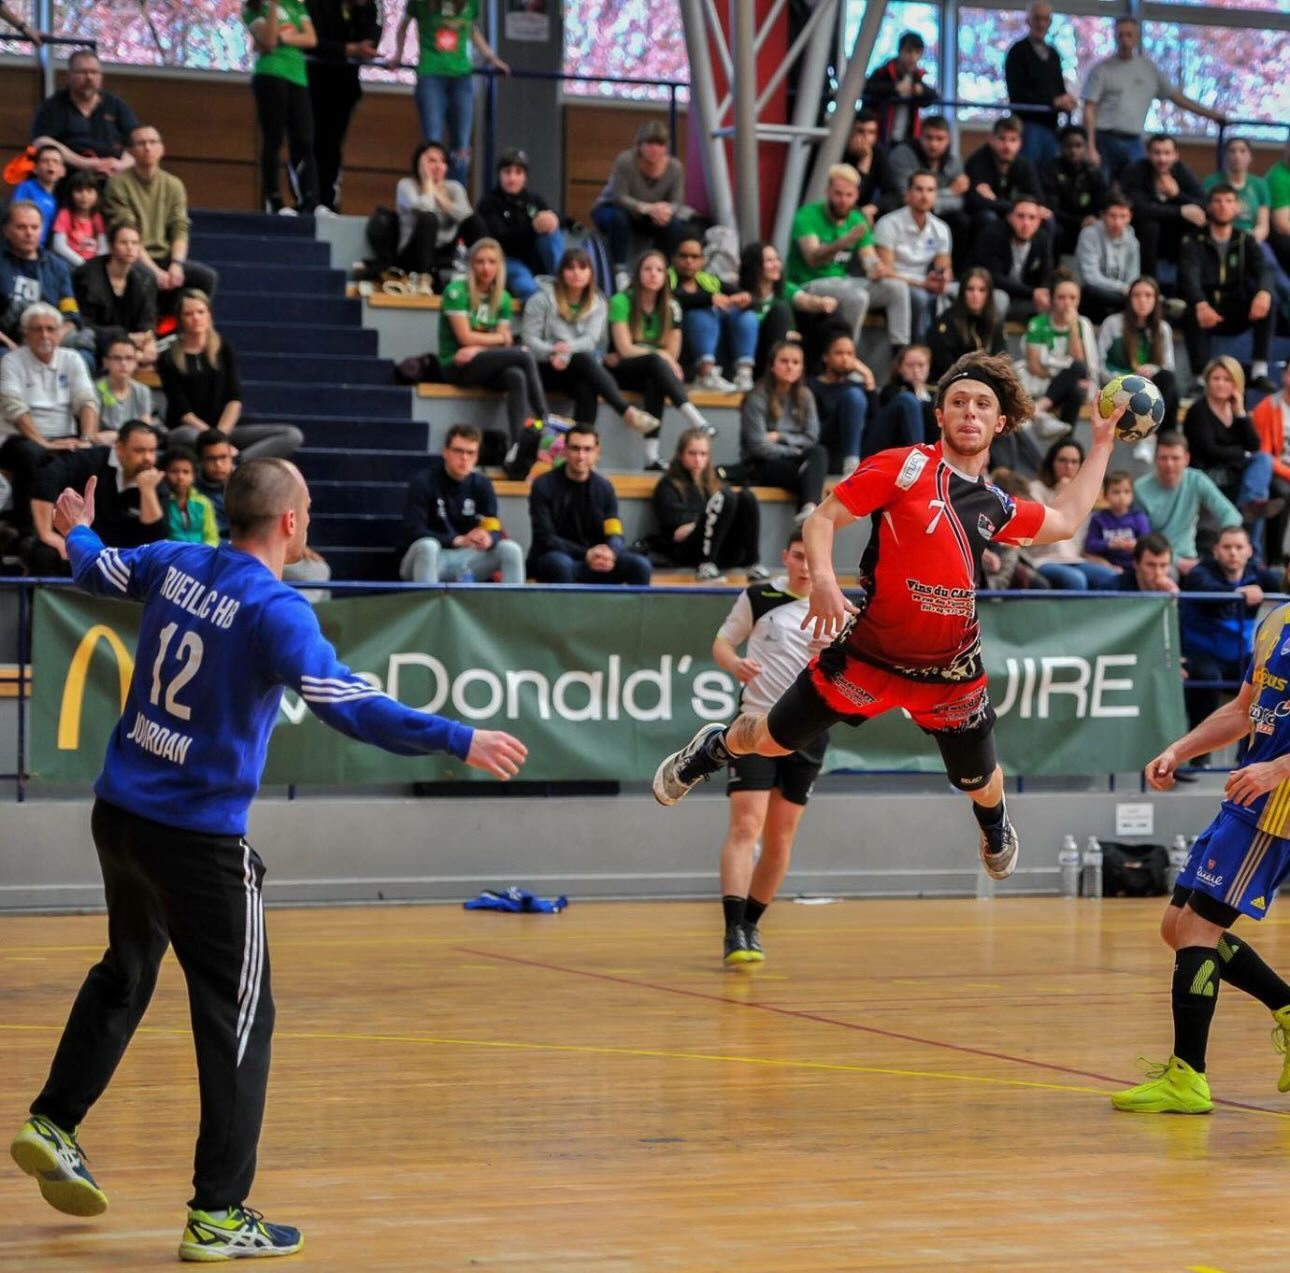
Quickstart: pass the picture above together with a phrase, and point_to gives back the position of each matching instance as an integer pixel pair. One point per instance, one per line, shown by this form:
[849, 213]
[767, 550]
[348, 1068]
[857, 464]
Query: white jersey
[769, 618]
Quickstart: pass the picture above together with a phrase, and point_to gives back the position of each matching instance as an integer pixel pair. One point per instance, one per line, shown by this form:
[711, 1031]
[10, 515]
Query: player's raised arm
[1074, 502]
[105, 572]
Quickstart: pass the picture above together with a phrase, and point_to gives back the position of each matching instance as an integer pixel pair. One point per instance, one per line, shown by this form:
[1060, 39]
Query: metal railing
[26, 588]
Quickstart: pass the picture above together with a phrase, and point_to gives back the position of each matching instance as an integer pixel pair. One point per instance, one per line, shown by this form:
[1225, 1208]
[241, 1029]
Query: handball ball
[1144, 408]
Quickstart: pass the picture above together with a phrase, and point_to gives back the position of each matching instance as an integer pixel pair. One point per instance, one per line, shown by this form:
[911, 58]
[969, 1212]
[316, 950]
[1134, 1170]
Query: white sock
[651, 450]
[693, 416]
[1258, 368]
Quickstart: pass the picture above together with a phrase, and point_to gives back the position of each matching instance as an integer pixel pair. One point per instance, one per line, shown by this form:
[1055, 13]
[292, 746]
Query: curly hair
[1015, 404]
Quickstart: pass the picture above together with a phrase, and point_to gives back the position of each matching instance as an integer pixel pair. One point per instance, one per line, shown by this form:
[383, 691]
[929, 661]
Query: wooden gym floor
[902, 1086]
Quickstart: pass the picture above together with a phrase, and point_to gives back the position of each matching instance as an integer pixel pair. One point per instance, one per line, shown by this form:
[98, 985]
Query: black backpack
[1134, 870]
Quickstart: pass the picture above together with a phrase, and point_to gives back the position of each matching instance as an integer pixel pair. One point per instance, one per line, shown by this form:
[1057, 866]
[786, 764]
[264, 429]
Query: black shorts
[793, 776]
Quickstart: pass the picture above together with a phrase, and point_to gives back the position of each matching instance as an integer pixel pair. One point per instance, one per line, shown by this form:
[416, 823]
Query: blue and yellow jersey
[1269, 738]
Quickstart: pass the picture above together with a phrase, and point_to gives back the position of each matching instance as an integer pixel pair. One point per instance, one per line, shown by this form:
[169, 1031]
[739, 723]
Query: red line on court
[823, 1020]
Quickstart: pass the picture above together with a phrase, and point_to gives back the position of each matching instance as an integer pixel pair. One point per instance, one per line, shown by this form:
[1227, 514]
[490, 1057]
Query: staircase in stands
[306, 359]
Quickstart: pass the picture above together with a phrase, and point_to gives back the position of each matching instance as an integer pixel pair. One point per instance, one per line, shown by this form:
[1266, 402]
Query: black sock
[1243, 969]
[1195, 994]
[754, 910]
[734, 909]
[717, 748]
[988, 815]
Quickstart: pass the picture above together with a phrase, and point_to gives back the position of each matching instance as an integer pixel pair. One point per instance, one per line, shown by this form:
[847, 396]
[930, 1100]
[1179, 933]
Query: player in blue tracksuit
[1234, 869]
[220, 637]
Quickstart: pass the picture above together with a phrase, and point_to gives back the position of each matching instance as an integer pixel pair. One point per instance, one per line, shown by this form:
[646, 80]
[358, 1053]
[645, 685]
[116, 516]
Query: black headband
[981, 374]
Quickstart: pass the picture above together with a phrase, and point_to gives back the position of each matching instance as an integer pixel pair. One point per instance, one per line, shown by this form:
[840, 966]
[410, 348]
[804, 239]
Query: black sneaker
[999, 848]
[737, 951]
[700, 758]
[753, 939]
[522, 456]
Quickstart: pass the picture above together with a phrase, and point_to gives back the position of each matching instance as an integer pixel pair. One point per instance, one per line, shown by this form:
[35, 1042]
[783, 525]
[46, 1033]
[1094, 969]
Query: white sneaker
[323, 212]
[622, 280]
[288, 212]
[803, 513]
[712, 381]
[709, 572]
[640, 420]
[1049, 426]
[849, 464]
[744, 378]
[1145, 451]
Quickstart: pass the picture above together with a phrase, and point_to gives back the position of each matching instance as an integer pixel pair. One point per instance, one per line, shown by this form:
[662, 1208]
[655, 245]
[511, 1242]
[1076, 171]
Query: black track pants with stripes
[201, 894]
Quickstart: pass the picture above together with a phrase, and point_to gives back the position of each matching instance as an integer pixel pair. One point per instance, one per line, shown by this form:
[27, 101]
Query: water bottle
[1068, 865]
[984, 885]
[1092, 881]
[1177, 859]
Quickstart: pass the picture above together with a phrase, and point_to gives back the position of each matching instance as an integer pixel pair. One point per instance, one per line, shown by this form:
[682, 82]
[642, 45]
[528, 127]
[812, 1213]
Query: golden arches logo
[72, 709]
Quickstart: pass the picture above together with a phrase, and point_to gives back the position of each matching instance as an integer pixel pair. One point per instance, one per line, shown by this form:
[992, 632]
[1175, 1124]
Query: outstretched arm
[1072, 505]
[1218, 729]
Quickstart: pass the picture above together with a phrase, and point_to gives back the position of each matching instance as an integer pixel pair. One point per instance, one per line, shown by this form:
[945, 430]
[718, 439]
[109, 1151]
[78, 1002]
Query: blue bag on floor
[517, 900]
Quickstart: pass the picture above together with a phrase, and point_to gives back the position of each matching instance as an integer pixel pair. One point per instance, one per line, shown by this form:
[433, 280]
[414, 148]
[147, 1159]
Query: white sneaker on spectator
[849, 464]
[803, 513]
[709, 572]
[288, 212]
[712, 381]
[622, 280]
[758, 573]
[323, 211]
[744, 378]
[1145, 451]
[640, 420]
[1049, 426]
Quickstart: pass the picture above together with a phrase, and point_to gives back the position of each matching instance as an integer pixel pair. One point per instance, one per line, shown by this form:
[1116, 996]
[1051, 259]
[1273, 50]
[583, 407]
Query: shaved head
[259, 493]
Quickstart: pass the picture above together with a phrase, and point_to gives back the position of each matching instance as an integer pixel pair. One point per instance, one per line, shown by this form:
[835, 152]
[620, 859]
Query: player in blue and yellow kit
[220, 637]
[1235, 869]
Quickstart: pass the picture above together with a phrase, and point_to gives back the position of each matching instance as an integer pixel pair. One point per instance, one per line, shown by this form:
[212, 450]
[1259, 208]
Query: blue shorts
[1237, 864]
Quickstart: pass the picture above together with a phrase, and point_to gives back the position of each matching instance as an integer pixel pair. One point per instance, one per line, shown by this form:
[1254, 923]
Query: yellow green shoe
[1171, 1088]
[1281, 1041]
[752, 939]
[736, 946]
[236, 1234]
[43, 1150]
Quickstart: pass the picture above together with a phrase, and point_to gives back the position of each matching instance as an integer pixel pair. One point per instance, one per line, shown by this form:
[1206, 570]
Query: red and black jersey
[931, 524]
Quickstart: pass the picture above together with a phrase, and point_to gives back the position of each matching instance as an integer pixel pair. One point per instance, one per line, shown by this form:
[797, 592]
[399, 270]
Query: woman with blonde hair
[564, 325]
[477, 347]
[701, 521]
[779, 431]
[203, 391]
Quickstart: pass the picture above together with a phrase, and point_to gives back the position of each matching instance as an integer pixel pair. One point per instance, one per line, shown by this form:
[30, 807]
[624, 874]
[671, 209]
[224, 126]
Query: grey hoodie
[541, 325]
[1106, 264]
[796, 435]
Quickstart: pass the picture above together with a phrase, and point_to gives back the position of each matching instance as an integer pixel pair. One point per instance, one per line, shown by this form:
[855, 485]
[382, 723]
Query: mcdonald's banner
[601, 685]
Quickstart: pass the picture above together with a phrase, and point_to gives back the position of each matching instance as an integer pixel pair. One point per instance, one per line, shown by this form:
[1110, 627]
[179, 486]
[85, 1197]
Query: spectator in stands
[1225, 445]
[1060, 366]
[1173, 494]
[477, 347]
[190, 516]
[1107, 260]
[1278, 179]
[1167, 202]
[434, 212]
[1138, 341]
[349, 33]
[118, 297]
[878, 192]
[1114, 531]
[451, 530]
[28, 275]
[281, 31]
[1003, 566]
[1033, 73]
[1019, 257]
[47, 402]
[41, 188]
[779, 432]
[445, 91]
[709, 313]
[1074, 188]
[23, 27]
[127, 506]
[832, 254]
[1152, 566]
[914, 244]
[1226, 283]
[203, 390]
[930, 152]
[645, 348]
[563, 326]
[779, 308]
[522, 221]
[121, 396]
[156, 202]
[1253, 206]
[1271, 420]
[906, 414]
[1063, 564]
[214, 468]
[841, 391]
[79, 233]
[91, 128]
[701, 521]
[997, 175]
[1218, 636]
[972, 324]
[1117, 96]
[577, 535]
[898, 90]
[644, 198]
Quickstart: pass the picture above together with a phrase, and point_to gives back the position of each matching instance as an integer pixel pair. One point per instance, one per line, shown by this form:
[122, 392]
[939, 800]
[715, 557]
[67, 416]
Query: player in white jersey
[768, 794]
